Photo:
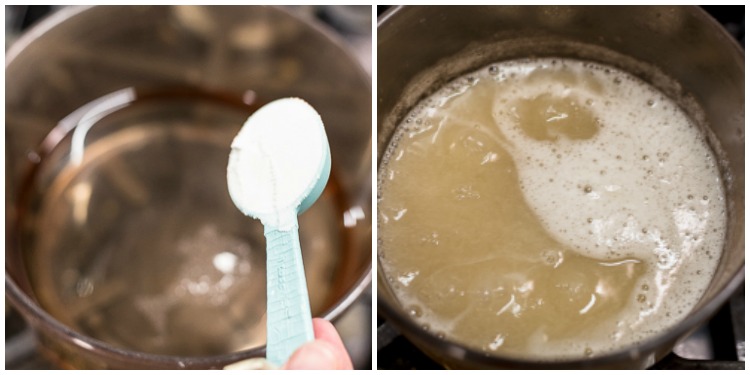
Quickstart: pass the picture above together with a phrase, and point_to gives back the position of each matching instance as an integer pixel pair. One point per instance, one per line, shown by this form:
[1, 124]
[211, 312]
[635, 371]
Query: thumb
[317, 355]
[327, 352]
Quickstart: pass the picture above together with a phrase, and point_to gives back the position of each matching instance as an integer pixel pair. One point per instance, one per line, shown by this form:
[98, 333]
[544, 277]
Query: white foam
[652, 157]
[647, 159]
[646, 185]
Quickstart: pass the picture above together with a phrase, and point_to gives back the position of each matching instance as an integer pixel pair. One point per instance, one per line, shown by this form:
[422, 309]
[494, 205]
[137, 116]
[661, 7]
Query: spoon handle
[289, 318]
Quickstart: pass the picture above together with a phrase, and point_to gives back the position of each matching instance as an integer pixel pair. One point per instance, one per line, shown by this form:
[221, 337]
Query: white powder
[276, 160]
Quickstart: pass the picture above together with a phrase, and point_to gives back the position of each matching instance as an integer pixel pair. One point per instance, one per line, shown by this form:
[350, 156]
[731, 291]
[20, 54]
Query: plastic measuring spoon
[279, 164]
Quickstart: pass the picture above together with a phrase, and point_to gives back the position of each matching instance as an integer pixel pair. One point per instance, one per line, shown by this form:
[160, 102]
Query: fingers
[327, 352]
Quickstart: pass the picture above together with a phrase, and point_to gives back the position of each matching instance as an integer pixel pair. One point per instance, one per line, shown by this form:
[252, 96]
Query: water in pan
[130, 236]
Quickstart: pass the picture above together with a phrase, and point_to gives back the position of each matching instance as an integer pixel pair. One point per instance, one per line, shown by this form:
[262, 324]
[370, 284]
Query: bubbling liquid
[549, 208]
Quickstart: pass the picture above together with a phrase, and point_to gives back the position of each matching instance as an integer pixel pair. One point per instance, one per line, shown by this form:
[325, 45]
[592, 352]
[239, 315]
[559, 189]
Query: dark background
[731, 16]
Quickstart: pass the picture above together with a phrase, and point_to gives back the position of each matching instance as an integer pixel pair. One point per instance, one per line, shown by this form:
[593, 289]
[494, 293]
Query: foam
[643, 183]
[647, 159]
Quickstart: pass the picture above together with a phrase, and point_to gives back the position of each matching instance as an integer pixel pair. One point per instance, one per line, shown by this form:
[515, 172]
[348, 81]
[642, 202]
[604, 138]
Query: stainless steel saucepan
[680, 50]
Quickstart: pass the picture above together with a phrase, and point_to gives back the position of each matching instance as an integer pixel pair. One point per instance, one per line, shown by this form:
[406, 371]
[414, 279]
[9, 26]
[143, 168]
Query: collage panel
[190, 187]
[169, 170]
[560, 187]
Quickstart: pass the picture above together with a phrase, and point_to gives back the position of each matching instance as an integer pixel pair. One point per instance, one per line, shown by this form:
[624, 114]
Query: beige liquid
[548, 209]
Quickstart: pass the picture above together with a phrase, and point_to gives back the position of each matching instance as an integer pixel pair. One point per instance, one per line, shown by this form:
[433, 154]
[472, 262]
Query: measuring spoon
[278, 167]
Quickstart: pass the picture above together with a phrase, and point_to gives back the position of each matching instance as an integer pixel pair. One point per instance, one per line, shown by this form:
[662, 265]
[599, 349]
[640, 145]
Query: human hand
[326, 352]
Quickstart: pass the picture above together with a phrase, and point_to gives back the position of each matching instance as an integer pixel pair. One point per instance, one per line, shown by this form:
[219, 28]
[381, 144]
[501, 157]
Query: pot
[77, 85]
[680, 50]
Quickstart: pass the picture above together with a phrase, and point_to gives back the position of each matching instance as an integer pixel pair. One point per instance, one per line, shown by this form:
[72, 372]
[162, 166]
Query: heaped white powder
[276, 160]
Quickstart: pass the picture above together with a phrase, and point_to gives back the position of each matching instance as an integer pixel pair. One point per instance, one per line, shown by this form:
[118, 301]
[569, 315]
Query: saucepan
[680, 50]
[120, 229]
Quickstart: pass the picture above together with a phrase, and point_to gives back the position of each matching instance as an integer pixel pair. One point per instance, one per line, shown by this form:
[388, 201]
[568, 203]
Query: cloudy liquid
[549, 209]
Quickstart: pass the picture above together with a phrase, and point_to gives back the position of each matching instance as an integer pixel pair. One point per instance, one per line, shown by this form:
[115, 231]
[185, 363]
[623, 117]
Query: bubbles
[415, 311]
[553, 258]
[666, 258]
[431, 238]
[465, 192]
[406, 278]
[600, 197]
[497, 342]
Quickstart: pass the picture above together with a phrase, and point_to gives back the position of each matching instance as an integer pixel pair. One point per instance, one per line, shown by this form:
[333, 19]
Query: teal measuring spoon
[278, 167]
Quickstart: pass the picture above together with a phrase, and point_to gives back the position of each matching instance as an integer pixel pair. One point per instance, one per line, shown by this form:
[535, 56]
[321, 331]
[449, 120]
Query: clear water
[130, 236]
